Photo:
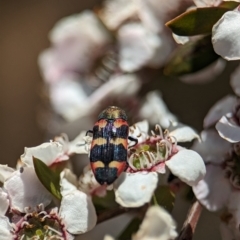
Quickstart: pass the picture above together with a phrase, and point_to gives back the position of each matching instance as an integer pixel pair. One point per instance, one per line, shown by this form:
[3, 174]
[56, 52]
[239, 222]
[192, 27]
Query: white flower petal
[222, 107]
[5, 172]
[188, 166]
[180, 39]
[108, 237]
[184, 133]
[207, 3]
[235, 83]
[139, 131]
[228, 131]
[25, 190]
[157, 224]
[214, 190]
[5, 228]
[78, 212]
[135, 189]
[155, 110]
[78, 145]
[226, 35]
[4, 202]
[47, 152]
[137, 46]
[68, 181]
[212, 148]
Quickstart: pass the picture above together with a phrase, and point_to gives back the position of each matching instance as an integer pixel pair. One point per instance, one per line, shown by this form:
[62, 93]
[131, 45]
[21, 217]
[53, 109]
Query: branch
[190, 223]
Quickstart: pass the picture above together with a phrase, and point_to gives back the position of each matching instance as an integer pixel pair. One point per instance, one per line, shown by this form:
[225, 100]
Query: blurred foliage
[191, 57]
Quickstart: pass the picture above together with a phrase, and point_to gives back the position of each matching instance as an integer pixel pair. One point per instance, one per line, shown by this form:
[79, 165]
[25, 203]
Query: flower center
[232, 166]
[154, 150]
[40, 226]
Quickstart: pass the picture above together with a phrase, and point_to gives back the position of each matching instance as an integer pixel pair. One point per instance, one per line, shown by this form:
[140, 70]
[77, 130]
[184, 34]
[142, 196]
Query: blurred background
[24, 28]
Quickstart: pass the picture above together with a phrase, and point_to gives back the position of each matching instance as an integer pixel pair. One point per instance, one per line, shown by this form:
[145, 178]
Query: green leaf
[48, 177]
[165, 197]
[130, 229]
[199, 20]
[191, 57]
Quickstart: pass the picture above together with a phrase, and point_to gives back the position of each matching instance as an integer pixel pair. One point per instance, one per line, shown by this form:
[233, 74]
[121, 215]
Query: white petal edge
[228, 131]
[5, 228]
[220, 108]
[188, 165]
[184, 134]
[226, 34]
[5, 172]
[212, 148]
[157, 224]
[25, 190]
[135, 189]
[46, 152]
[234, 82]
[78, 212]
[4, 202]
[214, 190]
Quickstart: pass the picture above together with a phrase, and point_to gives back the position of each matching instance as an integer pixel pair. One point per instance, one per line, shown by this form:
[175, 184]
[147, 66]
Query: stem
[190, 223]
[111, 214]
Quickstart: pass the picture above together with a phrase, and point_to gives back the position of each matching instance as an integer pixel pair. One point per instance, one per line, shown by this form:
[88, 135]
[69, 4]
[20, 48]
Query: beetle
[108, 154]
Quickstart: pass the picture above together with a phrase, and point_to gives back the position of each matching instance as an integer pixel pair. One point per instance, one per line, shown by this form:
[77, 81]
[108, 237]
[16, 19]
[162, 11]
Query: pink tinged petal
[157, 225]
[228, 131]
[226, 35]
[202, 76]
[188, 166]
[137, 46]
[219, 109]
[184, 133]
[67, 97]
[5, 228]
[4, 202]
[47, 152]
[25, 190]
[214, 190]
[155, 110]
[78, 212]
[212, 148]
[135, 189]
[5, 172]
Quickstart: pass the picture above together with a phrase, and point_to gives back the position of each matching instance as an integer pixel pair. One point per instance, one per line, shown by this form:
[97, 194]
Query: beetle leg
[134, 140]
[89, 131]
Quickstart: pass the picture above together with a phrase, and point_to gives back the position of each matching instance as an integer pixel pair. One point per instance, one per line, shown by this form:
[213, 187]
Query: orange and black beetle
[108, 155]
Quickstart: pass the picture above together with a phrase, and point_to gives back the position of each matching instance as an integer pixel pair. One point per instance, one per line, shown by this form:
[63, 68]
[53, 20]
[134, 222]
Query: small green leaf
[191, 57]
[48, 177]
[165, 197]
[130, 229]
[199, 20]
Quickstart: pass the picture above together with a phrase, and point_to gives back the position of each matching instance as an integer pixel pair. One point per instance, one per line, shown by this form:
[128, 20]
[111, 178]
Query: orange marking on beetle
[117, 141]
[101, 123]
[119, 165]
[98, 141]
[119, 122]
[98, 164]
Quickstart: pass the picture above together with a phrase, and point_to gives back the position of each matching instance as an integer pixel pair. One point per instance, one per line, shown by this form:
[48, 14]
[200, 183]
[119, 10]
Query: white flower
[49, 153]
[151, 156]
[222, 180]
[76, 214]
[226, 34]
[156, 225]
